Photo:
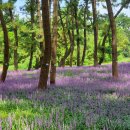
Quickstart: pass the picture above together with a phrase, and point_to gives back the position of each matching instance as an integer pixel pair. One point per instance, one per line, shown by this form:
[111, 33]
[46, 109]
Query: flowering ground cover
[84, 98]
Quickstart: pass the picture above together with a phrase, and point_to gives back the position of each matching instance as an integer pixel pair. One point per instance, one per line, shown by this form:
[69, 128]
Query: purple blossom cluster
[87, 92]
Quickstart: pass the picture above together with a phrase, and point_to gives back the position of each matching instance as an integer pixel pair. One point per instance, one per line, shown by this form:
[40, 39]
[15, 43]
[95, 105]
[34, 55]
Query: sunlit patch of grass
[68, 74]
[113, 96]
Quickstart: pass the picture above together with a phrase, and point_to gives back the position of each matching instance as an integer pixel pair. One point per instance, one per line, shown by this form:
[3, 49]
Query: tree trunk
[101, 59]
[71, 38]
[41, 30]
[67, 51]
[33, 35]
[47, 53]
[6, 48]
[16, 40]
[78, 38]
[85, 33]
[107, 33]
[54, 42]
[114, 42]
[72, 47]
[95, 28]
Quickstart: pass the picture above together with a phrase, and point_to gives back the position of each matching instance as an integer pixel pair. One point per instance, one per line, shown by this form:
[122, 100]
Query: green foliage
[25, 30]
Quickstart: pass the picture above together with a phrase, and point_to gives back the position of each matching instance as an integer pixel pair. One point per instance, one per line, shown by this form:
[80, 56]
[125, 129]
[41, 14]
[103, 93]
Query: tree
[95, 29]
[15, 30]
[114, 42]
[77, 31]
[67, 50]
[101, 59]
[6, 47]
[47, 53]
[41, 30]
[32, 13]
[54, 42]
[85, 31]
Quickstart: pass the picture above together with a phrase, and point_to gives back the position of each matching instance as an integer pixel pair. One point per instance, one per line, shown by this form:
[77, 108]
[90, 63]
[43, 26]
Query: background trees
[81, 34]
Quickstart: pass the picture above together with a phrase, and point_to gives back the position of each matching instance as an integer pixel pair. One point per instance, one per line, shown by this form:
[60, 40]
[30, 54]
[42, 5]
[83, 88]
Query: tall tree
[95, 28]
[85, 31]
[47, 53]
[67, 50]
[101, 59]
[6, 47]
[71, 37]
[32, 13]
[77, 31]
[114, 42]
[54, 42]
[15, 30]
[41, 30]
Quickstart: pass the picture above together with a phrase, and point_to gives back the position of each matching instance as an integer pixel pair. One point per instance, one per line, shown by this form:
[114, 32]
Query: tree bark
[95, 29]
[47, 53]
[42, 46]
[6, 48]
[71, 39]
[114, 42]
[67, 51]
[33, 34]
[54, 42]
[85, 33]
[101, 59]
[72, 47]
[15, 29]
[77, 32]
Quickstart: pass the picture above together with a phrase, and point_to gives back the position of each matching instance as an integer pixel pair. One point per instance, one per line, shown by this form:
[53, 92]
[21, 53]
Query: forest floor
[84, 98]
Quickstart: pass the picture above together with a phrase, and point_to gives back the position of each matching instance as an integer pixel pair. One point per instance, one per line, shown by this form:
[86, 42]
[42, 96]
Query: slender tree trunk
[103, 49]
[71, 38]
[66, 55]
[16, 40]
[95, 28]
[67, 51]
[107, 33]
[72, 48]
[114, 42]
[6, 48]
[78, 38]
[85, 33]
[54, 42]
[47, 53]
[33, 35]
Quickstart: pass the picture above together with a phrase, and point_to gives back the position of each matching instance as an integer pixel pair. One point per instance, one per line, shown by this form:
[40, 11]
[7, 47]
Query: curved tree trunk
[47, 53]
[114, 41]
[6, 48]
[54, 42]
